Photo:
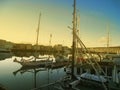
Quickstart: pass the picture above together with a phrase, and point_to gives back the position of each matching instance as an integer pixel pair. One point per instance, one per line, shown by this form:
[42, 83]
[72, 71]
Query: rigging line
[91, 62]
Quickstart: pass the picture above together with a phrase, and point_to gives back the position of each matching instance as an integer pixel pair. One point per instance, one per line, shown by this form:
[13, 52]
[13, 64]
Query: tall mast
[37, 35]
[38, 29]
[74, 39]
[108, 38]
[77, 31]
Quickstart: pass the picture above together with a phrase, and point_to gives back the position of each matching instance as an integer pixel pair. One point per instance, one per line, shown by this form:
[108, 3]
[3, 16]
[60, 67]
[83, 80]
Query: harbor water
[12, 77]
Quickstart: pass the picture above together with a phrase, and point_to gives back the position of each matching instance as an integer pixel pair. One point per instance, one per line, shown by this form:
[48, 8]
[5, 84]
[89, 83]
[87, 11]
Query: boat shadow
[22, 70]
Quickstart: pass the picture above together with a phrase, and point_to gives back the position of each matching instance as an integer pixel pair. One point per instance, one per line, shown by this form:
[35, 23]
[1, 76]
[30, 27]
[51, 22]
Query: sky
[19, 21]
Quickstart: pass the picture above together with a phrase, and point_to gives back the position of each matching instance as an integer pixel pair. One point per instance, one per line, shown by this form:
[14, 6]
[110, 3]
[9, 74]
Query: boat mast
[38, 33]
[77, 31]
[108, 38]
[38, 29]
[74, 39]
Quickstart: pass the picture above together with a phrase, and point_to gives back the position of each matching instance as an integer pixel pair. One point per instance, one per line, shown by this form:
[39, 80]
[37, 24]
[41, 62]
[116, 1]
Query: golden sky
[19, 21]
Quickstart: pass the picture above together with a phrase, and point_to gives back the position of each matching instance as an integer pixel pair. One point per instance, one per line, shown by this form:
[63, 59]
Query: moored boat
[32, 63]
[35, 61]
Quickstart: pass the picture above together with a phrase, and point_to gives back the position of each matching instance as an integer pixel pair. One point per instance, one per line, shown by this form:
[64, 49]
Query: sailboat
[35, 61]
[86, 78]
[114, 59]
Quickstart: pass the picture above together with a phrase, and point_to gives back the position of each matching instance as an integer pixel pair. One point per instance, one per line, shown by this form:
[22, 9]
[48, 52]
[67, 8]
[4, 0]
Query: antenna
[50, 39]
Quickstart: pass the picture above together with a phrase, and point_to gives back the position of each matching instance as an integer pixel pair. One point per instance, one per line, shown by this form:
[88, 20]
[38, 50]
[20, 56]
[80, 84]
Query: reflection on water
[15, 77]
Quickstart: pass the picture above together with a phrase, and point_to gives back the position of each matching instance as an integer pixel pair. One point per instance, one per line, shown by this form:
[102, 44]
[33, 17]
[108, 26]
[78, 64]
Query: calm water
[14, 78]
